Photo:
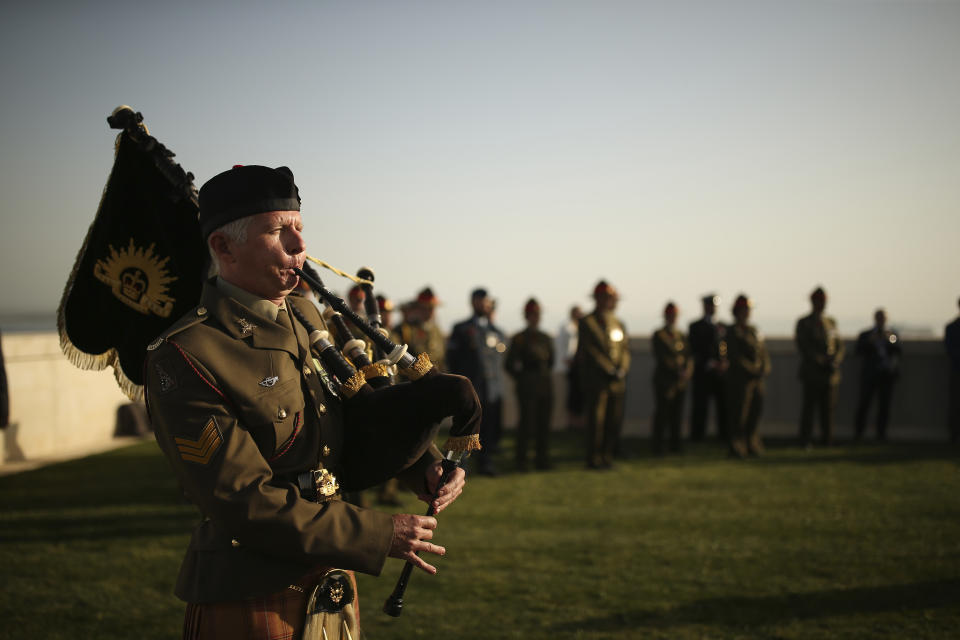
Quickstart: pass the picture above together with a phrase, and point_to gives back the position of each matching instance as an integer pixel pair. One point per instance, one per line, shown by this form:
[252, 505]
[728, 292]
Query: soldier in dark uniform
[476, 350]
[951, 341]
[710, 363]
[255, 432]
[749, 365]
[671, 353]
[603, 358]
[4, 391]
[530, 360]
[821, 352]
[879, 348]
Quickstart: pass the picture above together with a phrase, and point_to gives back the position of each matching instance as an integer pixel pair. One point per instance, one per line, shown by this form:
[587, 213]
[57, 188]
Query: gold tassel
[463, 444]
[419, 368]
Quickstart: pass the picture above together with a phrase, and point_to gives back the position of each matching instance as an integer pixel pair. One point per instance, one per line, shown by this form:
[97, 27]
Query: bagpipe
[141, 267]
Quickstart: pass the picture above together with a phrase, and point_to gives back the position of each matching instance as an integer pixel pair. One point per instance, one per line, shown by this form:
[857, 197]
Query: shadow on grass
[736, 611]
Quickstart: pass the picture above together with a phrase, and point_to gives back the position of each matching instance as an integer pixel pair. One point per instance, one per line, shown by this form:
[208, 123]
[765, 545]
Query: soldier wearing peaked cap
[419, 330]
[256, 432]
[671, 352]
[709, 349]
[821, 353]
[749, 365]
[530, 360]
[603, 358]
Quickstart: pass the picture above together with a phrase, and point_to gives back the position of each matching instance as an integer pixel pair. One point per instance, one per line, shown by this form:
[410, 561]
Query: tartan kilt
[278, 616]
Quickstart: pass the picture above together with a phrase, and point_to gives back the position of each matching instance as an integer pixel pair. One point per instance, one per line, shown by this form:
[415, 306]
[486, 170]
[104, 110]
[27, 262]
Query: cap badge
[269, 381]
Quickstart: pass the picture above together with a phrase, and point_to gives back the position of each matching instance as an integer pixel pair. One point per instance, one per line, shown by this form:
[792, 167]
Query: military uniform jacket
[951, 342]
[530, 360]
[424, 337]
[880, 350]
[747, 351]
[475, 350]
[821, 349]
[706, 343]
[603, 353]
[239, 408]
[671, 352]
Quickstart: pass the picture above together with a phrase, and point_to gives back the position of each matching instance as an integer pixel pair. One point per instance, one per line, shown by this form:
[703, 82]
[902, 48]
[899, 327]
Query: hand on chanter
[411, 534]
[450, 491]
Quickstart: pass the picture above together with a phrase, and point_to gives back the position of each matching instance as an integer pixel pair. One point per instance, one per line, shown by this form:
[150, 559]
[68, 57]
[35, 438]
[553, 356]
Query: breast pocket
[274, 416]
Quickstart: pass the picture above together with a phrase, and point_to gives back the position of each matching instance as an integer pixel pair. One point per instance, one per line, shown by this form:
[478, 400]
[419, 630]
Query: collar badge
[246, 327]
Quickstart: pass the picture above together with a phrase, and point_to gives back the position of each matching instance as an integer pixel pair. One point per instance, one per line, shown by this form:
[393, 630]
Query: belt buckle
[325, 483]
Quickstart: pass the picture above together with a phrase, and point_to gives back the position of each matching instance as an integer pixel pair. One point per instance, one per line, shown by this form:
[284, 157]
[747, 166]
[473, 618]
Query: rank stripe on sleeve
[202, 449]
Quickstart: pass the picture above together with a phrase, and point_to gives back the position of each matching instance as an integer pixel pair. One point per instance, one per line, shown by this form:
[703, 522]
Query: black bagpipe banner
[141, 264]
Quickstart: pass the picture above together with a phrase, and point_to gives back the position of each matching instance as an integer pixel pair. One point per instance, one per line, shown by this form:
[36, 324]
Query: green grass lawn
[833, 543]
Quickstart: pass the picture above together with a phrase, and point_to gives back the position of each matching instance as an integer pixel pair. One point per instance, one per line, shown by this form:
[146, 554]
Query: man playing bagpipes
[263, 436]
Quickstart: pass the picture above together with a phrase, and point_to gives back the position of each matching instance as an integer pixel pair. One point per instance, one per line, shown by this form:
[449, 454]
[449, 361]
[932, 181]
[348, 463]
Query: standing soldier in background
[951, 340]
[530, 362]
[566, 351]
[4, 392]
[603, 358]
[385, 305]
[879, 348]
[420, 332]
[749, 364]
[476, 350]
[673, 367]
[710, 363]
[821, 352]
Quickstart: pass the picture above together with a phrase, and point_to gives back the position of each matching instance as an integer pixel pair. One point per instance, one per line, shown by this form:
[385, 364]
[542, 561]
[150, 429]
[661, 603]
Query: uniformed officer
[879, 349]
[530, 359]
[951, 341]
[745, 388]
[255, 432]
[603, 357]
[821, 352]
[419, 330]
[709, 350]
[672, 370]
[476, 350]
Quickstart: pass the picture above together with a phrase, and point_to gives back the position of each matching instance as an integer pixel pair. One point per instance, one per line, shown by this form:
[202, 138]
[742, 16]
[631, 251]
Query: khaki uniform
[240, 408]
[529, 362]
[749, 364]
[603, 359]
[671, 353]
[821, 352]
[424, 337]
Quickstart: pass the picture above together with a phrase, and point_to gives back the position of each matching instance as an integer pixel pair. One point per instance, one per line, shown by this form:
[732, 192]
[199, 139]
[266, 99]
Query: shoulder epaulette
[194, 317]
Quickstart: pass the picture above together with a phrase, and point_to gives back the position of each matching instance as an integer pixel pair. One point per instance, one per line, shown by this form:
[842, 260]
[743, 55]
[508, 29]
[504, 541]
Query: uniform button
[326, 450]
[201, 311]
[322, 408]
[282, 414]
[234, 543]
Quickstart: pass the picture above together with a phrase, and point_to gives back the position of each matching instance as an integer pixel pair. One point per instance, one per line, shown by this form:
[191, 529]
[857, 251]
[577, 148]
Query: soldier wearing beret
[603, 358]
[879, 350]
[821, 352]
[709, 350]
[672, 369]
[419, 330]
[530, 359]
[257, 436]
[749, 365]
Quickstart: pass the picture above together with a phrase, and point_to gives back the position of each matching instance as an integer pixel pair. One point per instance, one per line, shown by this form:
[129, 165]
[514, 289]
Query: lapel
[593, 321]
[244, 324]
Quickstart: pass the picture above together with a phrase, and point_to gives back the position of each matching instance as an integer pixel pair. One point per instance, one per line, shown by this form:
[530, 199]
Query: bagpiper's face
[264, 264]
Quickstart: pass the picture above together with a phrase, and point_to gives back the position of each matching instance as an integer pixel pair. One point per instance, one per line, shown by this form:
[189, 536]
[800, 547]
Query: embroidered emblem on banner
[138, 278]
[202, 449]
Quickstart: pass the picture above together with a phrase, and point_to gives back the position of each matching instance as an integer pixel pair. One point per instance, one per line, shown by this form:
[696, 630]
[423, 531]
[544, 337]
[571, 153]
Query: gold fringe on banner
[463, 444]
[81, 359]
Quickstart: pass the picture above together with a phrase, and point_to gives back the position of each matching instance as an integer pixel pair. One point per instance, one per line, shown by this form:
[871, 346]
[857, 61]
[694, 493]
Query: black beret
[245, 191]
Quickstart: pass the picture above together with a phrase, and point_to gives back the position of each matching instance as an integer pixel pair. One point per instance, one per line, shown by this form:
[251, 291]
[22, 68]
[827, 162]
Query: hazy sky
[532, 147]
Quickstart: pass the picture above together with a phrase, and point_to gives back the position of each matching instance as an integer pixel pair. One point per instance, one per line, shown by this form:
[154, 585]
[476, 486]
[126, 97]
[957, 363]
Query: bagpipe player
[259, 436]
